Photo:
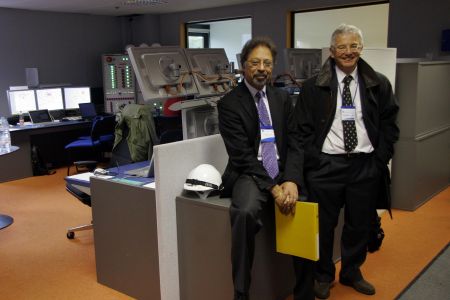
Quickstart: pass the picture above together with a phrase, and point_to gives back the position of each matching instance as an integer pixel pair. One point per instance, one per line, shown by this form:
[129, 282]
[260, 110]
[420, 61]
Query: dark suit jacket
[239, 127]
[316, 108]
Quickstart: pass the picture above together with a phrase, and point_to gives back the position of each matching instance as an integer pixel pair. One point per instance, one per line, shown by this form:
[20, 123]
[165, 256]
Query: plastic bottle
[5, 137]
[21, 119]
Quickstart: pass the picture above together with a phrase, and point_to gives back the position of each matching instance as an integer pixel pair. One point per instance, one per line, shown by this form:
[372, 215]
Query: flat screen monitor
[87, 111]
[40, 116]
[49, 98]
[21, 101]
[76, 95]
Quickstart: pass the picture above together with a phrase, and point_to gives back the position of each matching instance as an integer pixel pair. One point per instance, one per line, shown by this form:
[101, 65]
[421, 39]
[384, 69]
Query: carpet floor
[37, 261]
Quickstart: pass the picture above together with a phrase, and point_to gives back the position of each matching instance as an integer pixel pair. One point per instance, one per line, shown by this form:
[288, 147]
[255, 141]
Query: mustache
[261, 74]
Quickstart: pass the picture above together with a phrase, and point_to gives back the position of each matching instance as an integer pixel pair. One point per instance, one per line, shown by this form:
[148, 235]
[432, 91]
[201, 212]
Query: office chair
[100, 140]
[86, 199]
[171, 135]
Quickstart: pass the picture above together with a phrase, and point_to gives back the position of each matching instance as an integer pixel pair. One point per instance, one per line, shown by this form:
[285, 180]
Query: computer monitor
[147, 171]
[21, 101]
[40, 116]
[49, 98]
[87, 111]
[76, 95]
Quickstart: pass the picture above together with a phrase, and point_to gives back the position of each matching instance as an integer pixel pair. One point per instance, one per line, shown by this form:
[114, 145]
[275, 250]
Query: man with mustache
[347, 124]
[257, 125]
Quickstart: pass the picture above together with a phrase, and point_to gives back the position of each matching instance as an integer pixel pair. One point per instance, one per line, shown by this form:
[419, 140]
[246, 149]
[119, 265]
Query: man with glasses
[347, 125]
[258, 127]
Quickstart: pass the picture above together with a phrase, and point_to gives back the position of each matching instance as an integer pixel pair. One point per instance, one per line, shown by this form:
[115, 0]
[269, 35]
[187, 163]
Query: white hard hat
[203, 178]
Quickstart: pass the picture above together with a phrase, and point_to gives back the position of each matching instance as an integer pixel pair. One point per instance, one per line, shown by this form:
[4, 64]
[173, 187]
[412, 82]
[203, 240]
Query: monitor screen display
[76, 95]
[87, 111]
[21, 101]
[40, 116]
[49, 98]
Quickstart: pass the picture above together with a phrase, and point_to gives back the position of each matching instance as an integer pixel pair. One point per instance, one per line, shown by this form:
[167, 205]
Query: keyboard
[140, 172]
[44, 123]
[75, 118]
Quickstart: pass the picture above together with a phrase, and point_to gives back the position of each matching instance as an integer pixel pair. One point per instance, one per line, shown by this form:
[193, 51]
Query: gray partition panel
[204, 246]
[421, 166]
[126, 244]
[173, 162]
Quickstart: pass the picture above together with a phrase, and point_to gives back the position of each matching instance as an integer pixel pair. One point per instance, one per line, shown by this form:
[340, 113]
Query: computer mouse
[100, 171]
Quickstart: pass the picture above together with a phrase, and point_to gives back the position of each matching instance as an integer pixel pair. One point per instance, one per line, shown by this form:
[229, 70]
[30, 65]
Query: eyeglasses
[351, 48]
[254, 63]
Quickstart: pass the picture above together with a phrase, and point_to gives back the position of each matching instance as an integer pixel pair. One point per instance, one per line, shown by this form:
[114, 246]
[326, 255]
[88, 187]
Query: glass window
[313, 29]
[230, 35]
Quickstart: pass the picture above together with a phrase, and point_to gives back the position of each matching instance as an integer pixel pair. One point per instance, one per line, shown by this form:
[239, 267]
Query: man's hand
[291, 191]
[280, 199]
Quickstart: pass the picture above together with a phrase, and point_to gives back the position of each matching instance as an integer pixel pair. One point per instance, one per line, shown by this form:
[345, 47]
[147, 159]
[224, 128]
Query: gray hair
[346, 29]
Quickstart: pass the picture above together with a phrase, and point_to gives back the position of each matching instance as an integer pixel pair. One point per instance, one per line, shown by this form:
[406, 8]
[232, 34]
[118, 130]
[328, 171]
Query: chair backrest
[171, 135]
[102, 126]
[120, 154]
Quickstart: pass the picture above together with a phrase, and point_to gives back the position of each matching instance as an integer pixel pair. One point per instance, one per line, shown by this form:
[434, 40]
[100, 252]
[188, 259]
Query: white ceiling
[118, 7]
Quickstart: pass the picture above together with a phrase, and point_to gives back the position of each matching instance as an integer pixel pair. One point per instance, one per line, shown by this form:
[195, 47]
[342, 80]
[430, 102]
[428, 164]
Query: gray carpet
[433, 283]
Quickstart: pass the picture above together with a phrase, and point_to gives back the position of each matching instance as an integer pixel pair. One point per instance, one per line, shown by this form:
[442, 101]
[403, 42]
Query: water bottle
[21, 119]
[5, 137]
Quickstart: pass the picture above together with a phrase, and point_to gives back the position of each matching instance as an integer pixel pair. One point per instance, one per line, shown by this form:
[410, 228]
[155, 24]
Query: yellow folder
[298, 234]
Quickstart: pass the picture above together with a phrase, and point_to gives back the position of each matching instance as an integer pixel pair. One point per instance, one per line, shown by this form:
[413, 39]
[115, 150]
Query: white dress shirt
[334, 141]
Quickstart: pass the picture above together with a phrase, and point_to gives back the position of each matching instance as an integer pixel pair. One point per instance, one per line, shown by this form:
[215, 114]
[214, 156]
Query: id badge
[267, 134]
[348, 113]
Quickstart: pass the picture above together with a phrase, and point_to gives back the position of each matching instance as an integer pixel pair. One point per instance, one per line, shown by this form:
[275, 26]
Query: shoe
[322, 289]
[238, 296]
[361, 286]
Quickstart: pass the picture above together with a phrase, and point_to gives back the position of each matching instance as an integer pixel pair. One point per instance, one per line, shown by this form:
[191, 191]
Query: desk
[50, 138]
[82, 181]
[6, 220]
[204, 250]
[125, 236]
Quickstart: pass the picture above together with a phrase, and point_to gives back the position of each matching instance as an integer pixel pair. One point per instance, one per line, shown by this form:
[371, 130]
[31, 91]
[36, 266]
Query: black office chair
[171, 135]
[101, 140]
[86, 199]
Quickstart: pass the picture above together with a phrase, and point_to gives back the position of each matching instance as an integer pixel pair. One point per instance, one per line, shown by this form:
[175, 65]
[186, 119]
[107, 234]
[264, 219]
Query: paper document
[298, 235]
[87, 176]
[151, 185]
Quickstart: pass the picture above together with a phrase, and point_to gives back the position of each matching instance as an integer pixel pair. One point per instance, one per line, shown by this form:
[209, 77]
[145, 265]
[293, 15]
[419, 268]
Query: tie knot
[259, 95]
[348, 79]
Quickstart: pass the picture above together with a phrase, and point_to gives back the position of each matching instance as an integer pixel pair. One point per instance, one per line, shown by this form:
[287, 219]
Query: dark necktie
[268, 152]
[350, 136]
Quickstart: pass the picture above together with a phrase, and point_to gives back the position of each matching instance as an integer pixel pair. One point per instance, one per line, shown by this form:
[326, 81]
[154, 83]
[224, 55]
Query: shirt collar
[253, 91]
[341, 75]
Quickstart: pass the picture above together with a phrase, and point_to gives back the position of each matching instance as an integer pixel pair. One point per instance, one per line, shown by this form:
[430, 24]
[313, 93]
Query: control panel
[119, 86]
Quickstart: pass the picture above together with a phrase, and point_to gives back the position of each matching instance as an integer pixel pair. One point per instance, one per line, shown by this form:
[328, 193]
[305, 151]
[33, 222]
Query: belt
[350, 155]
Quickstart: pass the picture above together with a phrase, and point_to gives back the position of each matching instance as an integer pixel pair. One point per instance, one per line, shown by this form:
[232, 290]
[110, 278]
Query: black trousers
[349, 182]
[247, 204]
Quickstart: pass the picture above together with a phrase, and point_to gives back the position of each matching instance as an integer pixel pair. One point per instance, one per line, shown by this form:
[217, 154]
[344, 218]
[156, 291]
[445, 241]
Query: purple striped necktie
[268, 151]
